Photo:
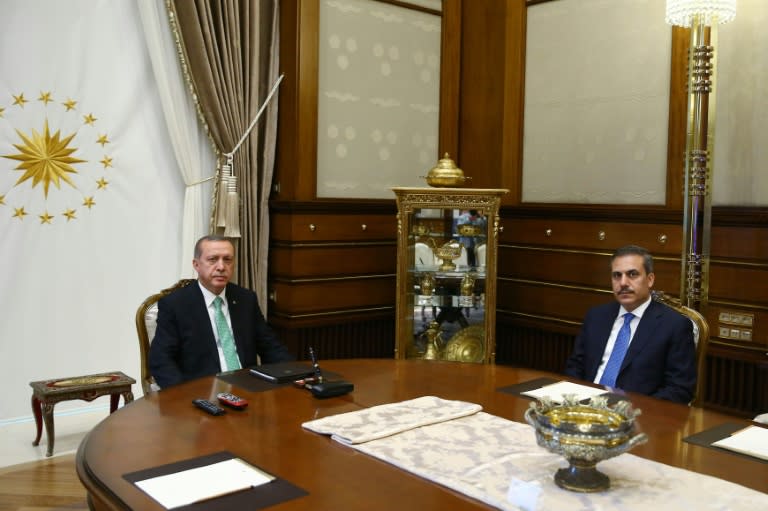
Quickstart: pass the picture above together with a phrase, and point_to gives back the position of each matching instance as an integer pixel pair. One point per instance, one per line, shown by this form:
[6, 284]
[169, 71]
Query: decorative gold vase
[446, 174]
[434, 342]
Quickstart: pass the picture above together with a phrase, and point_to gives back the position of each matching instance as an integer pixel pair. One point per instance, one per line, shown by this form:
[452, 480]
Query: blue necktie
[225, 337]
[617, 354]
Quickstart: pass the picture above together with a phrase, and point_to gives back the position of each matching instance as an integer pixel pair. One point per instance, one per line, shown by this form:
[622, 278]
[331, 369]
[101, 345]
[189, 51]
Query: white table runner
[390, 419]
[498, 462]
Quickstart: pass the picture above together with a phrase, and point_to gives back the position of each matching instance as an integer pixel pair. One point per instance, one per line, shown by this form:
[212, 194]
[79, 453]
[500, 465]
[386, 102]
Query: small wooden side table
[46, 393]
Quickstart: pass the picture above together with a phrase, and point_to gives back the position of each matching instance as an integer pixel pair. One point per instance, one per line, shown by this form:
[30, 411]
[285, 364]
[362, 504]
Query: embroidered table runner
[497, 461]
[387, 420]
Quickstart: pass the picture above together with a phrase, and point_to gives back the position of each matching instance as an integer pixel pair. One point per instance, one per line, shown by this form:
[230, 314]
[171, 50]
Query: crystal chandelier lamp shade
[682, 12]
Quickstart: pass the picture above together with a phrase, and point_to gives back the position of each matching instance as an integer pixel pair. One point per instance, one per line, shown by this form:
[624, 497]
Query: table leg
[49, 431]
[38, 419]
[114, 400]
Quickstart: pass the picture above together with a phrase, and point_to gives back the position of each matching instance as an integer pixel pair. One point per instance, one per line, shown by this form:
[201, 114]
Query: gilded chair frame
[701, 336]
[146, 313]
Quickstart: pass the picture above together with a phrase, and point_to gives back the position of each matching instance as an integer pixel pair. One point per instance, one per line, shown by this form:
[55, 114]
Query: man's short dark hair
[635, 250]
[209, 237]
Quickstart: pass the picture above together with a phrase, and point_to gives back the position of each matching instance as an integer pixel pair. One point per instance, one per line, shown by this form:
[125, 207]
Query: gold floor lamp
[702, 16]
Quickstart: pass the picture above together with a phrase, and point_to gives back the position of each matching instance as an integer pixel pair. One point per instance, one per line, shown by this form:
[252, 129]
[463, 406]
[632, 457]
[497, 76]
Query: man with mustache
[211, 325]
[636, 344]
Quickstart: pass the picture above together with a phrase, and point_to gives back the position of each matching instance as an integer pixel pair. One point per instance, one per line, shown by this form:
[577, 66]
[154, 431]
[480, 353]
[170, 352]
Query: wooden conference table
[165, 427]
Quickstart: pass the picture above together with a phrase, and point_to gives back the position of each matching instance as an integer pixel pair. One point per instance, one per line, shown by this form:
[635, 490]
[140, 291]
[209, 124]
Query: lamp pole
[702, 16]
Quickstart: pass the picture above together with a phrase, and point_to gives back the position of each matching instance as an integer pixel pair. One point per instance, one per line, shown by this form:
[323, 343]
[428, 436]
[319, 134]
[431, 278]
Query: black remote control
[209, 407]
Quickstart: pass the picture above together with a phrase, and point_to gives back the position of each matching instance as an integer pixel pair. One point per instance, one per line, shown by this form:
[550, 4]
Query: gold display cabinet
[446, 273]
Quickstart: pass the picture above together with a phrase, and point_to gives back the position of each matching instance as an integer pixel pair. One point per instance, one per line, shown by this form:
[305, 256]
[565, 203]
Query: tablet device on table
[283, 372]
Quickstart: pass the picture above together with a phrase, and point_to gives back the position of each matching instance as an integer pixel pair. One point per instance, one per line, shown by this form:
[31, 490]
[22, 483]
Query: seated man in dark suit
[211, 326]
[635, 343]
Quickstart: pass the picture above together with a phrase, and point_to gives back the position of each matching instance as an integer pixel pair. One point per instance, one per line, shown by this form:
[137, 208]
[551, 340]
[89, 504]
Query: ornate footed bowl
[448, 252]
[584, 435]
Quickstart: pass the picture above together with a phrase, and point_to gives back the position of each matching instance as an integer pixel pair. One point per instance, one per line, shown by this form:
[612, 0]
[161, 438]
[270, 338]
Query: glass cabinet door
[446, 260]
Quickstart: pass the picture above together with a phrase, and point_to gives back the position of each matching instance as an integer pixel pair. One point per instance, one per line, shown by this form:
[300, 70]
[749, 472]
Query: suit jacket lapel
[236, 317]
[643, 334]
[600, 336]
[201, 316]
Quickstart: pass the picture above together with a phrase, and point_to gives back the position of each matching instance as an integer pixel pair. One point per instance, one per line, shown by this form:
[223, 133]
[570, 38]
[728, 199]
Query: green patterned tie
[225, 337]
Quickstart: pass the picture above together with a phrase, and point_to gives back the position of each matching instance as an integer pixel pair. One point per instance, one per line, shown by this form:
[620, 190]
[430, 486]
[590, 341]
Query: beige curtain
[230, 51]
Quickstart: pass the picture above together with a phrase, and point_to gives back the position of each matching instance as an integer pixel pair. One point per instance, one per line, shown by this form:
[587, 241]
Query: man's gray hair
[209, 237]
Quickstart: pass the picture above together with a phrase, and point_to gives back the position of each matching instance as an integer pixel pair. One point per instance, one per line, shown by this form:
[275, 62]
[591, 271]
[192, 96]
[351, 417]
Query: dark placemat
[526, 386]
[537, 383]
[259, 497]
[246, 381]
[706, 437]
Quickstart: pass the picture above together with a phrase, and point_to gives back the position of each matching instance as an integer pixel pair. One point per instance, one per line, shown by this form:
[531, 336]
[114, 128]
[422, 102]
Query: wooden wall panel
[521, 345]
[307, 261]
[295, 175]
[313, 296]
[366, 338]
[330, 260]
[548, 301]
[603, 235]
[740, 242]
[735, 282]
[485, 50]
[573, 267]
[324, 226]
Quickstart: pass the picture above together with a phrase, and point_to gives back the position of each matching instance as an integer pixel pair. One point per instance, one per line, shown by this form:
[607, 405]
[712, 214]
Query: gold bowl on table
[584, 434]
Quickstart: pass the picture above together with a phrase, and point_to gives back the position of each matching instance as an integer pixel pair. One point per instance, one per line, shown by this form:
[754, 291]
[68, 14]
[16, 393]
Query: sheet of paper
[203, 483]
[751, 440]
[555, 391]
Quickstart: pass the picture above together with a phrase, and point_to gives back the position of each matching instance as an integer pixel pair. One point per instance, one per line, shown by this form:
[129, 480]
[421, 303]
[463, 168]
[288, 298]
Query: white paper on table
[202, 483]
[555, 391]
[751, 440]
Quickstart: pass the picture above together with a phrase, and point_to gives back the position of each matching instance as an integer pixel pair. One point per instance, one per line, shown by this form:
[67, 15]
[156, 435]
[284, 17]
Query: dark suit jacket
[660, 361]
[184, 346]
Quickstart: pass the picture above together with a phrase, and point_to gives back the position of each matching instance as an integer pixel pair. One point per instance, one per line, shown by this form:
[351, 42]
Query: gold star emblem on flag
[57, 151]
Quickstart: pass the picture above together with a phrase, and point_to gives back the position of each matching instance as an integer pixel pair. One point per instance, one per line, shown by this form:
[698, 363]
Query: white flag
[90, 193]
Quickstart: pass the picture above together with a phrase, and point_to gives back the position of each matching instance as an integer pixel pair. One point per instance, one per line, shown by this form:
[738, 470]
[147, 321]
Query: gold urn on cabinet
[449, 319]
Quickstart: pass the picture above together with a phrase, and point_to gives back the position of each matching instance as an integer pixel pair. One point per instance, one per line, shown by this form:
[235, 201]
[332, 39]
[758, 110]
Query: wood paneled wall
[332, 277]
[332, 262]
[554, 266]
